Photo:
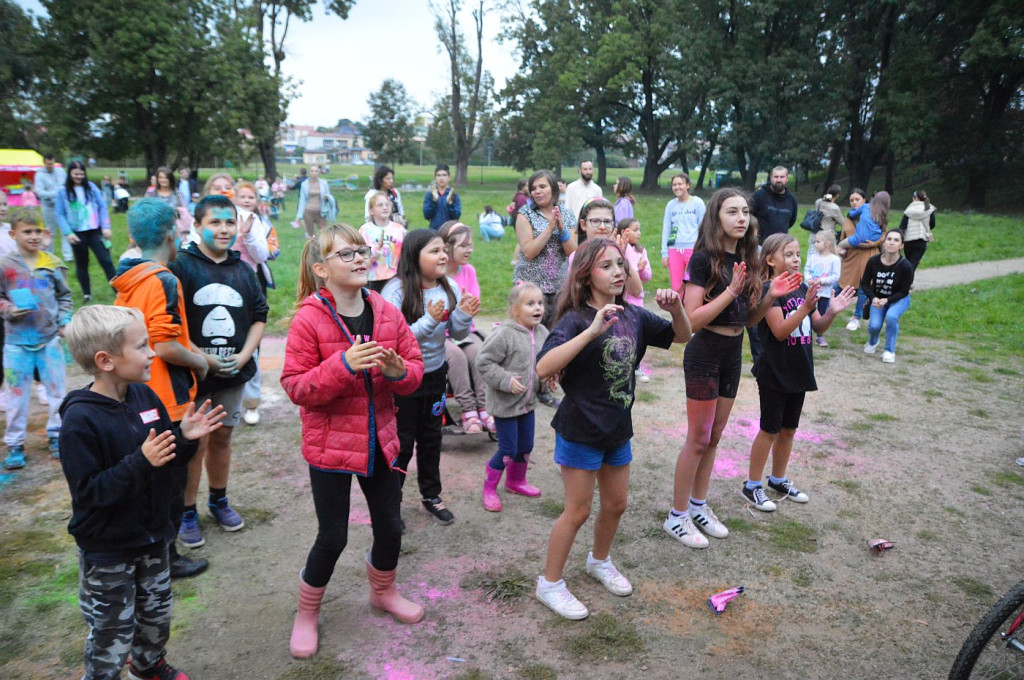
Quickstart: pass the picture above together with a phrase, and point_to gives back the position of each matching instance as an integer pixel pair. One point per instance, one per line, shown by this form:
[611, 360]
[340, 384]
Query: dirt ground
[921, 453]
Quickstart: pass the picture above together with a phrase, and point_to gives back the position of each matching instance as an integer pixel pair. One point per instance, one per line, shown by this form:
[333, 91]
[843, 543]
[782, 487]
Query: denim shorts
[584, 457]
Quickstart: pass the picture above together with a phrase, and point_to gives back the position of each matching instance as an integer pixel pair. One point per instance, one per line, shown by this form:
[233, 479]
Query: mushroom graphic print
[218, 329]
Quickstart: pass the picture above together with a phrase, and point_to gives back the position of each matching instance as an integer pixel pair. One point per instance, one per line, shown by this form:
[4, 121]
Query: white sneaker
[609, 576]
[561, 601]
[888, 357]
[853, 324]
[252, 416]
[682, 529]
[707, 521]
[869, 348]
[641, 376]
[41, 394]
[1020, 461]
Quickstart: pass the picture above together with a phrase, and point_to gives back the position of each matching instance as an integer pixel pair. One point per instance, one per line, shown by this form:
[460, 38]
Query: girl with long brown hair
[722, 297]
[596, 345]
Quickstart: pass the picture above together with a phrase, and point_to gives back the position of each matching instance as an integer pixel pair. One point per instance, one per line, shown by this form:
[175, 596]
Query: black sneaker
[185, 567]
[787, 489]
[758, 498]
[549, 400]
[435, 506]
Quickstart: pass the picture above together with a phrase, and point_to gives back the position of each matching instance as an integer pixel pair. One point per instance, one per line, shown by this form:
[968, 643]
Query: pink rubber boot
[491, 501]
[305, 638]
[515, 479]
[384, 595]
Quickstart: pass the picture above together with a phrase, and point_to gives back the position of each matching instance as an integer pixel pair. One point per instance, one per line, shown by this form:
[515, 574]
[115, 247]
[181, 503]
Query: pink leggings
[677, 262]
[467, 385]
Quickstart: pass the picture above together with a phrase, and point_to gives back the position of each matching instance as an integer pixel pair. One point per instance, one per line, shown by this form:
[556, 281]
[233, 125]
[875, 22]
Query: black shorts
[780, 409]
[712, 365]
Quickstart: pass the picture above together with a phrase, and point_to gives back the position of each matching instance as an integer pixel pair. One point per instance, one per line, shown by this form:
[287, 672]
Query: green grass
[501, 585]
[608, 638]
[790, 535]
[882, 417]
[1006, 480]
[974, 588]
[981, 312]
[984, 315]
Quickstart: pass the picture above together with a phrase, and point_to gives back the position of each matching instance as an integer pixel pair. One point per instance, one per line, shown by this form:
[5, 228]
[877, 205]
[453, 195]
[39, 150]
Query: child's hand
[244, 226]
[196, 424]
[17, 312]
[664, 262]
[362, 356]
[668, 299]
[451, 197]
[811, 299]
[739, 277]
[158, 448]
[106, 233]
[551, 383]
[433, 192]
[515, 386]
[641, 264]
[880, 302]
[843, 300]
[436, 310]
[785, 284]
[229, 366]
[201, 367]
[392, 365]
[470, 304]
[604, 319]
[73, 239]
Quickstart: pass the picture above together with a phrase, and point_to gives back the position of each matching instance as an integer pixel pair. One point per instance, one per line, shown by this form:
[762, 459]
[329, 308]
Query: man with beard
[775, 209]
[579, 191]
[773, 206]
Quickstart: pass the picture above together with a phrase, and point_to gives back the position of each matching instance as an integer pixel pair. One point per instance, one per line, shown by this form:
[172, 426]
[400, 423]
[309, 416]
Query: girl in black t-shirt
[785, 368]
[722, 296]
[596, 345]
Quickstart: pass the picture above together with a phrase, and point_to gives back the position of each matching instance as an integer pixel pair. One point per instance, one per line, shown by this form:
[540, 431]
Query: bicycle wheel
[985, 654]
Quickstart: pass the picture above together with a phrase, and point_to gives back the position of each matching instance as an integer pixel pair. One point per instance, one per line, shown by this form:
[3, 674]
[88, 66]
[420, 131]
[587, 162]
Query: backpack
[812, 221]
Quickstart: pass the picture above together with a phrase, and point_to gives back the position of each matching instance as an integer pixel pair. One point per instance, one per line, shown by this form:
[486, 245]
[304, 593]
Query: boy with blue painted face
[226, 312]
[145, 283]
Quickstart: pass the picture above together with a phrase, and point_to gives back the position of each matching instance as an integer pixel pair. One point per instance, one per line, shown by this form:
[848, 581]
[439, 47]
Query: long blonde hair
[317, 248]
[830, 241]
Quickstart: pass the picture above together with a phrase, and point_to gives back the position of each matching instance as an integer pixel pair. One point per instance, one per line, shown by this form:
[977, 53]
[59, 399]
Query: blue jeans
[890, 314]
[491, 231]
[515, 439]
[19, 366]
[862, 299]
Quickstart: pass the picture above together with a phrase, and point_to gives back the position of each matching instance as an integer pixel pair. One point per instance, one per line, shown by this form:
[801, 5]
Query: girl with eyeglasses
[433, 307]
[597, 220]
[349, 354]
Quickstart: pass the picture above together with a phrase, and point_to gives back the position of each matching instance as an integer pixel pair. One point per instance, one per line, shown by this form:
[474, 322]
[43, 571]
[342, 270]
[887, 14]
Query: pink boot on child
[490, 495]
[305, 637]
[515, 478]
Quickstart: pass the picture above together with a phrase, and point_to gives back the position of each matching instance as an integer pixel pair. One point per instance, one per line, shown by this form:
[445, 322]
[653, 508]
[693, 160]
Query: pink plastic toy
[718, 601]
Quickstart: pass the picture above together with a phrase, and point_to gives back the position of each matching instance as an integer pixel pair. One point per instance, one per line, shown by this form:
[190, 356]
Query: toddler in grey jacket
[507, 365]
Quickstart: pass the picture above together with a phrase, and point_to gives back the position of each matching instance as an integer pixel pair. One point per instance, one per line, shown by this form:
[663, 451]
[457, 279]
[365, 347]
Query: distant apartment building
[344, 145]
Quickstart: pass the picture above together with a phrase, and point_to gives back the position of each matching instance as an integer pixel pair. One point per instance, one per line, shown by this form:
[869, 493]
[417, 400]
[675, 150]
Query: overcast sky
[339, 63]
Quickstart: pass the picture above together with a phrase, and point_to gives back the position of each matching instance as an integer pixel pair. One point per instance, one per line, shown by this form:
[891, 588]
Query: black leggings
[331, 498]
[914, 250]
[90, 240]
[419, 428]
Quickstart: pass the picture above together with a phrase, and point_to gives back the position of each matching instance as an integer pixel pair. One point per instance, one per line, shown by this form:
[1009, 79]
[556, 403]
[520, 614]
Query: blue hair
[207, 203]
[149, 222]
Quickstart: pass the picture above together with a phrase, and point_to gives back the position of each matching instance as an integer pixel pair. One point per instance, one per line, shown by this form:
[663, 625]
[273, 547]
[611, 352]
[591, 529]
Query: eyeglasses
[601, 223]
[347, 254]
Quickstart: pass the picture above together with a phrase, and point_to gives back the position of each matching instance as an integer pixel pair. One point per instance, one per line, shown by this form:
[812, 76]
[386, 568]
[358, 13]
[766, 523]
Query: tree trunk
[266, 150]
[602, 164]
[975, 197]
[835, 156]
[706, 160]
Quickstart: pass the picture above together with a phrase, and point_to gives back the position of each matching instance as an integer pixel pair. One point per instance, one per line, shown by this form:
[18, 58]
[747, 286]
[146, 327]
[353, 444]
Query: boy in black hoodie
[226, 312]
[118, 449]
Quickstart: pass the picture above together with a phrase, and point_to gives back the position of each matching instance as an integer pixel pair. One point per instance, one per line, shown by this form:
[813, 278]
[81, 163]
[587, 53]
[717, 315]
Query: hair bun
[827, 197]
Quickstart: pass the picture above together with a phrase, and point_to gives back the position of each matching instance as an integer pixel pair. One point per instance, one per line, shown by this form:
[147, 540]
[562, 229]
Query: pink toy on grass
[718, 601]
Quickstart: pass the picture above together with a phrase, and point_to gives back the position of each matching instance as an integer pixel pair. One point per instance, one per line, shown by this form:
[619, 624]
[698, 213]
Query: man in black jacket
[775, 209]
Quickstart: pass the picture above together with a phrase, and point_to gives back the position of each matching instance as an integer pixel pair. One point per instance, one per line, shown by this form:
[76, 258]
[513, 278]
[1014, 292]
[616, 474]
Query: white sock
[676, 514]
[545, 584]
[591, 560]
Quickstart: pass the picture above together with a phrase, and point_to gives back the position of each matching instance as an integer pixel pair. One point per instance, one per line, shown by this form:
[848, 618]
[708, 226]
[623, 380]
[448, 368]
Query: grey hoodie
[509, 351]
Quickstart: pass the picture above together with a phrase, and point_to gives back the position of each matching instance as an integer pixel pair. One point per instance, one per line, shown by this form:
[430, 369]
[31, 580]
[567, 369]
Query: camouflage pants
[128, 609]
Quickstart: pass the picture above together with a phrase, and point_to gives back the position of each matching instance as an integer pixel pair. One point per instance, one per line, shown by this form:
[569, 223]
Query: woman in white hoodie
[917, 224]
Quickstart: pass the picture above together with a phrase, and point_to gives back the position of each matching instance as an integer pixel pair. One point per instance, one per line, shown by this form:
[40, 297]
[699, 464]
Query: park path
[952, 275]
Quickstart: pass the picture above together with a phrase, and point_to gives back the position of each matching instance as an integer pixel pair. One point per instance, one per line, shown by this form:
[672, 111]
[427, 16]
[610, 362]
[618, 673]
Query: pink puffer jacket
[335, 410]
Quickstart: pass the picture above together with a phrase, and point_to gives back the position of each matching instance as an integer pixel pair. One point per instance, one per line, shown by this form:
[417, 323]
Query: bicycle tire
[1007, 609]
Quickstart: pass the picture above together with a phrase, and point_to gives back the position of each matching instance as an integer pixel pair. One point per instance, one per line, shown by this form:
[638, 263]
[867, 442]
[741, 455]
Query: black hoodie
[775, 213]
[120, 503]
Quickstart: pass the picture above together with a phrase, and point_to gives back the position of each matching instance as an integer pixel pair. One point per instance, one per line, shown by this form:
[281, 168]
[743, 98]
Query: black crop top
[700, 273]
